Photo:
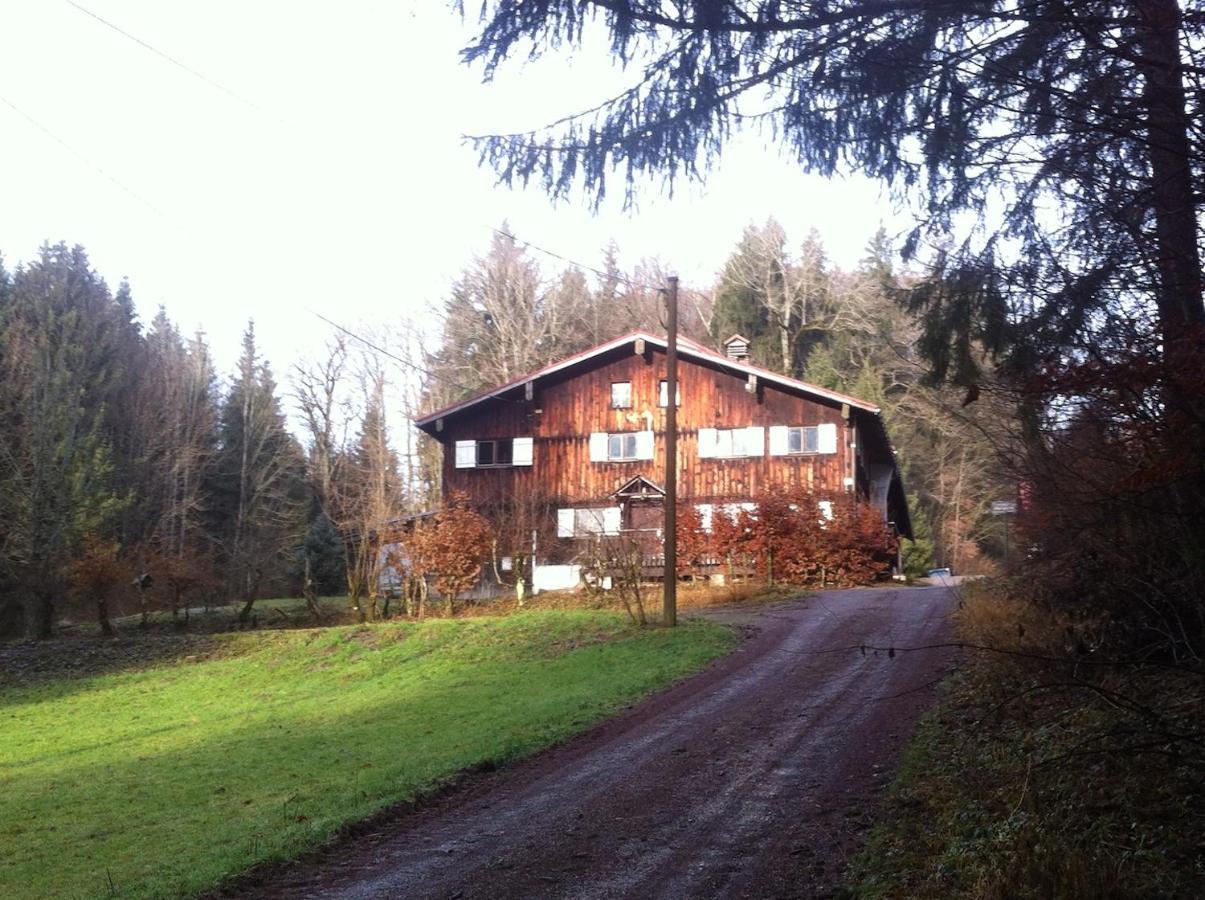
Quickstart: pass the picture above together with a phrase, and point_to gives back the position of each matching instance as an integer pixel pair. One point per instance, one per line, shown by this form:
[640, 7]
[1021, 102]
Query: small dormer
[737, 348]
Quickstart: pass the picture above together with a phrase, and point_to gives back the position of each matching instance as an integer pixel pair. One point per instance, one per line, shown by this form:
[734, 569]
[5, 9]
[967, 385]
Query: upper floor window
[621, 446]
[802, 440]
[494, 454]
[663, 394]
[805, 439]
[732, 443]
[621, 395]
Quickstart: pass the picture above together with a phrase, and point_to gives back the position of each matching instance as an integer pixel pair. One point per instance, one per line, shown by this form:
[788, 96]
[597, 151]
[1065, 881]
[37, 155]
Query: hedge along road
[754, 778]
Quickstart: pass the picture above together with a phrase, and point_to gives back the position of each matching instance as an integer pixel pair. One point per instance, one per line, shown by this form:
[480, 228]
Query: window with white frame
[803, 440]
[663, 394]
[588, 522]
[621, 446]
[496, 453]
[621, 395]
[732, 443]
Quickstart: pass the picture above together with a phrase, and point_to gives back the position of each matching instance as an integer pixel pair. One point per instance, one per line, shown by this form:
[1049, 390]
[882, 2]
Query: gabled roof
[876, 443]
[639, 485]
[686, 348]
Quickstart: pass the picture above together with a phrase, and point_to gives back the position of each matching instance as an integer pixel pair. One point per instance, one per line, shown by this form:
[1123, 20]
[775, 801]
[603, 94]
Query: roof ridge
[689, 344]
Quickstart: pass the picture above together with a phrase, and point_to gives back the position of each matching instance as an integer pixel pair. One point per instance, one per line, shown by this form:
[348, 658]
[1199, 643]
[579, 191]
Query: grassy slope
[171, 778]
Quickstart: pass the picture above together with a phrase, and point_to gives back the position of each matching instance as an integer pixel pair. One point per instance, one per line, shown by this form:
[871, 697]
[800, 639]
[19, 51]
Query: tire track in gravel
[754, 778]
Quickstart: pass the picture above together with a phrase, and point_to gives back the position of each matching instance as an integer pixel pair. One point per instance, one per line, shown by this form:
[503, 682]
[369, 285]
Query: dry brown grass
[691, 595]
[1046, 770]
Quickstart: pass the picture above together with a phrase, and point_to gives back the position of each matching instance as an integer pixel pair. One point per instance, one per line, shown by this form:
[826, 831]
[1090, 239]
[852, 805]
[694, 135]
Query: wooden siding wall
[562, 414]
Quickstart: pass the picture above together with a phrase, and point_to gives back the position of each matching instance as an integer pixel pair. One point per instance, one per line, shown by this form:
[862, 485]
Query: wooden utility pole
[670, 609]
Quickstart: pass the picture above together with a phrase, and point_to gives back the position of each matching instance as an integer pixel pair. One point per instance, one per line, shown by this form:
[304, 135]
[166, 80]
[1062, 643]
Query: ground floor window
[495, 453]
[588, 521]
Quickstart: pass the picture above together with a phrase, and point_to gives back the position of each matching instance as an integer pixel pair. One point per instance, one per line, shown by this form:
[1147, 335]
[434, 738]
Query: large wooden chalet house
[586, 436]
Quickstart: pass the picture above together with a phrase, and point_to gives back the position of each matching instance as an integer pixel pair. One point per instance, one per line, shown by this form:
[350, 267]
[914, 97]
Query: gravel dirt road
[755, 778]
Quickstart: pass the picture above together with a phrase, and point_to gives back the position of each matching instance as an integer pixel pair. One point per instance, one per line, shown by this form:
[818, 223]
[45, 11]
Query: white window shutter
[466, 454]
[706, 511]
[598, 446]
[755, 441]
[707, 438]
[826, 509]
[611, 520]
[521, 451]
[564, 523]
[826, 438]
[644, 445]
[778, 440]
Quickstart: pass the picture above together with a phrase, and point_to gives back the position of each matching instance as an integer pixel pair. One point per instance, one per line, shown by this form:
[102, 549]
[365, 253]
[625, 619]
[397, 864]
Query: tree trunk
[44, 616]
[1177, 256]
[244, 616]
[102, 617]
[311, 596]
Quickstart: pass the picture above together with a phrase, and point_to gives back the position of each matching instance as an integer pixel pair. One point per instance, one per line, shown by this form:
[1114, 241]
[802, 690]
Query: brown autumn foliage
[183, 574]
[449, 547]
[694, 544]
[95, 572]
[1111, 524]
[788, 538]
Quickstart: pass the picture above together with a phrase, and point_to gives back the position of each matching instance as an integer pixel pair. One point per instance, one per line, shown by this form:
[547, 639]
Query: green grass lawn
[169, 779]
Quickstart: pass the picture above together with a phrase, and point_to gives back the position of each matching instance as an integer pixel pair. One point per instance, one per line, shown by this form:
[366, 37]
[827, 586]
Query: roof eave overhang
[687, 349]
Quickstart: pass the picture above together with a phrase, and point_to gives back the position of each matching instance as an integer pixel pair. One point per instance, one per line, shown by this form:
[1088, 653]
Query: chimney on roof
[737, 348]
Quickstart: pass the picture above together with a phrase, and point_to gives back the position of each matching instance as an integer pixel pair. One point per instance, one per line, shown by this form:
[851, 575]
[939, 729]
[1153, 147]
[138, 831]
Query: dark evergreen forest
[136, 477]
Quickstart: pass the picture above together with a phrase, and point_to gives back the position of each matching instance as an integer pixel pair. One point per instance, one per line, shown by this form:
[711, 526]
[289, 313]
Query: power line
[631, 284]
[82, 157]
[573, 262]
[168, 57]
[402, 360]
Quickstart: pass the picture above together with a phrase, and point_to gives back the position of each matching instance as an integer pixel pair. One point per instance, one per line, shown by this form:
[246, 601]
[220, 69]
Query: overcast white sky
[336, 179]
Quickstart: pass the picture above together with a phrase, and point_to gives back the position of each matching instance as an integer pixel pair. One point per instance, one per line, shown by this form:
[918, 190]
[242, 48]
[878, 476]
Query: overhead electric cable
[422, 370]
[82, 157]
[169, 58]
[573, 262]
